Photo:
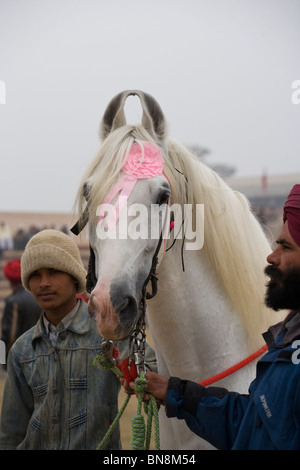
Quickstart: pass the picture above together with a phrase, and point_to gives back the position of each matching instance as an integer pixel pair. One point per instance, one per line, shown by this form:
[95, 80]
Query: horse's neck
[194, 327]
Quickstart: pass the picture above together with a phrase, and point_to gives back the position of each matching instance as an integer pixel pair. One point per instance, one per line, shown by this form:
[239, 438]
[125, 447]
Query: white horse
[205, 318]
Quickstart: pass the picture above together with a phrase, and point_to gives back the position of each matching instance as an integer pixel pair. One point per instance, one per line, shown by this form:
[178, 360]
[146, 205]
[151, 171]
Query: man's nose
[44, 280]
[274, 257]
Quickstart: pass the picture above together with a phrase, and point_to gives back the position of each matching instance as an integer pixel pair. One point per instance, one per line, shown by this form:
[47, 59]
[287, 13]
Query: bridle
[91, 279]
[152, 277]
[138, 337]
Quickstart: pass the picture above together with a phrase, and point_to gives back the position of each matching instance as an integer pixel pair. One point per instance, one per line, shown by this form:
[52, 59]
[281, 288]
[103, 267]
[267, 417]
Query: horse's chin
[108, 330]
[111, 328]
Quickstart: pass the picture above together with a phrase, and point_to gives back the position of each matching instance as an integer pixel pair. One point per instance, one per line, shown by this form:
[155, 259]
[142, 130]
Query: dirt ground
[125, 422]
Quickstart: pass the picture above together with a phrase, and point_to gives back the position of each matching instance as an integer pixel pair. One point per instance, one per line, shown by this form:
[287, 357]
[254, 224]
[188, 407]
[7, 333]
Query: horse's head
[124, 254]
[127, 194]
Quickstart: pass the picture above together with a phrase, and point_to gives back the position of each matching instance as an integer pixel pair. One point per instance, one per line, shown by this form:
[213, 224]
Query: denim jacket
[54, 397]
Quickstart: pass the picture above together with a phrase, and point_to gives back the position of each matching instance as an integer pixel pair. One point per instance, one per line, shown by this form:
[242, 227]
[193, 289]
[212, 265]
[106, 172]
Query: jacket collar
[288, 330]
[80, 323]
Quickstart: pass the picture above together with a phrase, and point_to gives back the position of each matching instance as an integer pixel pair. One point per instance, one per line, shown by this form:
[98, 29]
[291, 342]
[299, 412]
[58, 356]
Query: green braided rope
[140, 437]
[138, 422]
[106, 364]
[153, 414]
[113, 424]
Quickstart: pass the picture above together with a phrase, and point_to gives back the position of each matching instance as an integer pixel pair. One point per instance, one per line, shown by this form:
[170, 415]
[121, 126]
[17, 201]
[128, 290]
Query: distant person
[33, 230]
[64, 229]
[20, 238]
[6, 241]
[21, 310]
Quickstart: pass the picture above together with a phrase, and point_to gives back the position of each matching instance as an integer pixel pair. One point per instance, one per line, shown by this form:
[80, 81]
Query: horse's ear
[153, 118]
[114, 116]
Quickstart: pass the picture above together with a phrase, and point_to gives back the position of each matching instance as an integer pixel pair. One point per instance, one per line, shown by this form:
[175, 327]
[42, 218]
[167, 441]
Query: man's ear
[75, 282]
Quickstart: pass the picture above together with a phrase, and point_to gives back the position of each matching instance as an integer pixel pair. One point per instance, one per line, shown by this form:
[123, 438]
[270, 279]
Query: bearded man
[284, 270]
[268, 418]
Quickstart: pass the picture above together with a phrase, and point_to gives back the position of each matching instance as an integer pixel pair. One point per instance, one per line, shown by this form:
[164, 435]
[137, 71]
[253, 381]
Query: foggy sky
[222, 71]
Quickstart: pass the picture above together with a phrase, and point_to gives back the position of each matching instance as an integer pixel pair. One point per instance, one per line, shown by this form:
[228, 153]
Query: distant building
[267, 191]
[267, 195]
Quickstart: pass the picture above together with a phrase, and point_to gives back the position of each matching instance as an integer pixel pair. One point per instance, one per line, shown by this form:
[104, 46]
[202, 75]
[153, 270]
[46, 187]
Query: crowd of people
[19, 239]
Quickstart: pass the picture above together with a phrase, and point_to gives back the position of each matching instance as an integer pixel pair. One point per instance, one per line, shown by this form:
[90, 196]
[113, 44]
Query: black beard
[283, 290]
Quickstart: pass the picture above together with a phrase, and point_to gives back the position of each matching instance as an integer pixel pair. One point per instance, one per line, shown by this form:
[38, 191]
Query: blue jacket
[54, 397]
[268, 418]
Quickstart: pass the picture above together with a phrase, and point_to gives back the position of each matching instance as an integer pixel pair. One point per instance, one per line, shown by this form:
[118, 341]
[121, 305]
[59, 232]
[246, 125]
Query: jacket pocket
[77, 420]
[41, 390]
[77, 383]
[77, 403]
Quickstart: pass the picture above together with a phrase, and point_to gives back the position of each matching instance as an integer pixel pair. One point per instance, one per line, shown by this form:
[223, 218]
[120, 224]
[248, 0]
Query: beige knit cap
[52, 249]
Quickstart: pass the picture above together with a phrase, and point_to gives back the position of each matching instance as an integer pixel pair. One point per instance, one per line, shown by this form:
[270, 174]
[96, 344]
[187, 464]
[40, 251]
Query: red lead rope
[233, 369]
[130, 375]
[130, 372]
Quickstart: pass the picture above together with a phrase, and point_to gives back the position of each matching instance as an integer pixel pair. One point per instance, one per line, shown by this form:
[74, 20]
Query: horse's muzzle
[115, 312]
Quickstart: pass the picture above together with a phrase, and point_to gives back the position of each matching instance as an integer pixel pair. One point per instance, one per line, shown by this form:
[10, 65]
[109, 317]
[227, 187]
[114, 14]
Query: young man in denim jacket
[54, 397]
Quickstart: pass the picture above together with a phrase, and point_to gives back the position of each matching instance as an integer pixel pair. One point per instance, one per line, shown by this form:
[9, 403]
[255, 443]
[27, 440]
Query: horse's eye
[163, 198]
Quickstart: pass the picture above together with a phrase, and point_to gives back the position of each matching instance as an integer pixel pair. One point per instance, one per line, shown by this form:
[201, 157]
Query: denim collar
[80, 323]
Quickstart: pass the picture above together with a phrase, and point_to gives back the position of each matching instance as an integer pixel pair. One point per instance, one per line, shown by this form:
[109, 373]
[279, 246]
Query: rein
[234, 368]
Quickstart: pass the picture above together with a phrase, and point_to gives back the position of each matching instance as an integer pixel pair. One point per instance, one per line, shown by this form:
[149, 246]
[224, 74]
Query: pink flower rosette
[144, 160]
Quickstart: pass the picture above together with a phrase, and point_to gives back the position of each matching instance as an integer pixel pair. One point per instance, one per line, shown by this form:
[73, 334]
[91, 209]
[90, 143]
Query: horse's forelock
[104, 171]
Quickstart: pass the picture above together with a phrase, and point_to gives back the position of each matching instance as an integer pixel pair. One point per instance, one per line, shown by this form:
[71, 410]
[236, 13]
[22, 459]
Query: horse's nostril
[128, 312]
[124, 304]
[128, 306]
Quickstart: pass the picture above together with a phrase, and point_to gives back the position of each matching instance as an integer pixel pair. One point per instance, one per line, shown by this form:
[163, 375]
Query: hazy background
[222, 71]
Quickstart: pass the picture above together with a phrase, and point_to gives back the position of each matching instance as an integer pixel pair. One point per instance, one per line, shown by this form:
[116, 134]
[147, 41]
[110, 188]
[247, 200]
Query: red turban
[12, 271]
[291, 212]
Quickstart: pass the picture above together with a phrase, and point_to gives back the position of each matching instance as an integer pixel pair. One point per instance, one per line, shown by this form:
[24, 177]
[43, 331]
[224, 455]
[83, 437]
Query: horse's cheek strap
[91, 279]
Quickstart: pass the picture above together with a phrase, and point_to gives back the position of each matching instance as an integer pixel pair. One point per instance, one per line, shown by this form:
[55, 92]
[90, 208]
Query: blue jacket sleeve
[213, 413]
